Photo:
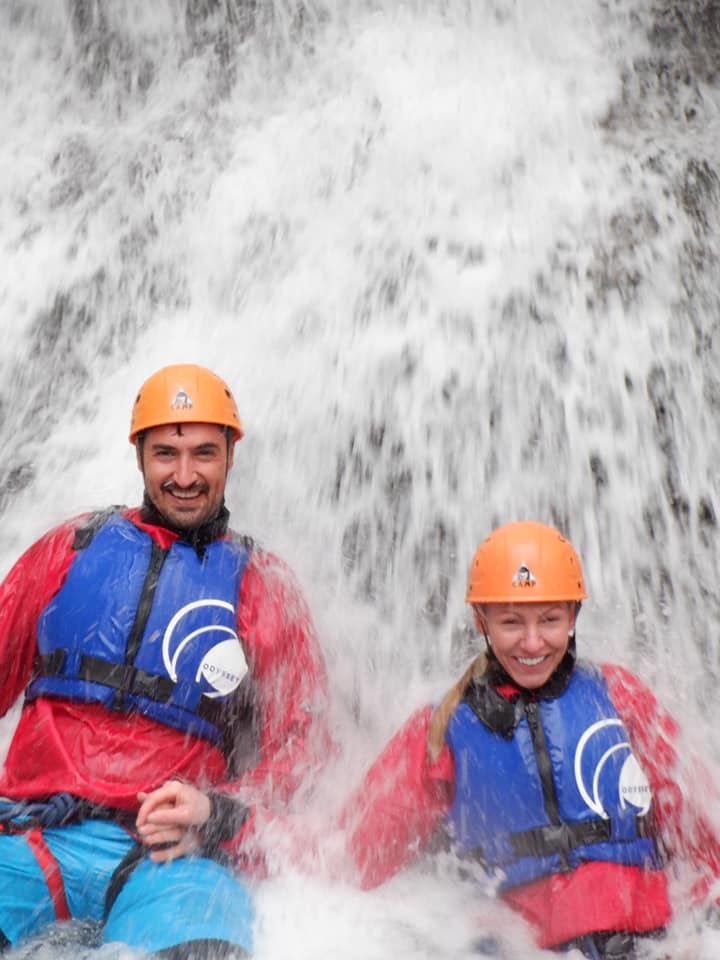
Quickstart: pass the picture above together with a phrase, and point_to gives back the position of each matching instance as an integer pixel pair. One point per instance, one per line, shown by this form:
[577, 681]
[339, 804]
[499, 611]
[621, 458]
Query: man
[159, 653]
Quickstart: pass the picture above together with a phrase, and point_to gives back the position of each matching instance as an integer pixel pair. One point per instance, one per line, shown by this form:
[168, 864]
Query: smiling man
[161, 656]
[185, 461]
[184, 468]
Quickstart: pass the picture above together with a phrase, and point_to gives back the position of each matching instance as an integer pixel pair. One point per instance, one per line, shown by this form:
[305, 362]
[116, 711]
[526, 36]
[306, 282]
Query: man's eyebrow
[209, 446]
[159, 445]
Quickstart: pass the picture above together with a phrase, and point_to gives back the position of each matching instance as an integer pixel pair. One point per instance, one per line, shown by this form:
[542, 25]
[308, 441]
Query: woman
[554, 775]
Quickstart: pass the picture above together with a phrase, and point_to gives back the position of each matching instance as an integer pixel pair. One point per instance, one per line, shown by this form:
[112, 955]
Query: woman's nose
[532, 639]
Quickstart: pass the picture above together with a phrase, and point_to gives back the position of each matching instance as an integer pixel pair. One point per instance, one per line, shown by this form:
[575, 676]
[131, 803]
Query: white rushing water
[458, 261]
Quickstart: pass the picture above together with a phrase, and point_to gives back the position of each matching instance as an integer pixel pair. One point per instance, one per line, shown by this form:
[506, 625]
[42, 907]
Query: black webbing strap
[152, 576]
[559, 838]
[133, 680]
[128, 679]
[646, 828]
[51, 664]
[84, 535]
[122, 676]
[121, 875]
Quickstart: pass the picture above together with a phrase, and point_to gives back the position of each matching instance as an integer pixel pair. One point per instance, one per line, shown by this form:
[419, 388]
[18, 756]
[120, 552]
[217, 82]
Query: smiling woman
[529, 641]
[539, 768]
[525, 588]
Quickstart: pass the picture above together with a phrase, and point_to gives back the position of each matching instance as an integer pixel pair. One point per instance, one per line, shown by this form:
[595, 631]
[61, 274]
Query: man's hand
[171, 818]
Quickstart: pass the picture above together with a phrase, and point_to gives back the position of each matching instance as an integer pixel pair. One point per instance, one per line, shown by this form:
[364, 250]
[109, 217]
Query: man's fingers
[166, 852]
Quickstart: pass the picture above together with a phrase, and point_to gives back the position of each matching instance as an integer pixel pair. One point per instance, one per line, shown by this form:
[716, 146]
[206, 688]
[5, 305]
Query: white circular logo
[222, 666]
[632, 784]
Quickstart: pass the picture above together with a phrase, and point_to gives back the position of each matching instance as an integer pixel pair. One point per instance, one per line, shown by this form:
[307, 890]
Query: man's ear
[231, 454]
[138, 456]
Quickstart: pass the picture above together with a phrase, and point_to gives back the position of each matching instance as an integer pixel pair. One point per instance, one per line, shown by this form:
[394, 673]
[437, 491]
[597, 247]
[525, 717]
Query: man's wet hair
[140, 438]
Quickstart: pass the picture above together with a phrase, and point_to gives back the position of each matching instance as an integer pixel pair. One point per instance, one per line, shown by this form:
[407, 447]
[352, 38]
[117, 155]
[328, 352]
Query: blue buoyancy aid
[139, 628]
[563, 788]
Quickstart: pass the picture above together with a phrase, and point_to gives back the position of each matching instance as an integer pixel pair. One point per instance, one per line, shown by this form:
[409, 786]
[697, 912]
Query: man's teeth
[530, 661]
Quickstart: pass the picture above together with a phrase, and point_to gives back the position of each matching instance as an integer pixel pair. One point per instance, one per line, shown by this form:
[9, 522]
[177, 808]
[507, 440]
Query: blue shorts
[65, 872]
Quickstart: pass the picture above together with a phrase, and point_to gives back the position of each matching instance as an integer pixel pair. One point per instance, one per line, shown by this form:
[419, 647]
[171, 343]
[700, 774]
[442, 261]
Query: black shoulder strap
[84, 534]
[244, 540]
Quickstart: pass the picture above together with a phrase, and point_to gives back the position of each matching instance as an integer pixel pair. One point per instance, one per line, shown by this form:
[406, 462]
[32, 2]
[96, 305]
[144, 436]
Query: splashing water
[458, 260]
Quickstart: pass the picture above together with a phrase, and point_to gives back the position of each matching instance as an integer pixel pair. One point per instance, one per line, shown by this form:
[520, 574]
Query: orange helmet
[184, 393]
[525, 562]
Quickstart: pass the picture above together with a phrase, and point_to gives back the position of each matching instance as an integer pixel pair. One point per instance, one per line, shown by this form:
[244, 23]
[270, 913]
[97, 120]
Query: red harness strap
[51, 871]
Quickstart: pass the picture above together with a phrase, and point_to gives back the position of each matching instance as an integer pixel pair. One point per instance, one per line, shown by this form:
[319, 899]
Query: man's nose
[185, 473]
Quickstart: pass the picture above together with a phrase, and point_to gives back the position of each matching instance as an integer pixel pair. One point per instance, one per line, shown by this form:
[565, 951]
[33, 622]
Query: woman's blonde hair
[441, 715]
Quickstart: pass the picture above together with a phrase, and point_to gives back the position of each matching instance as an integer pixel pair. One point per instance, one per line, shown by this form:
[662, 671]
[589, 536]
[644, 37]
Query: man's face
[184, 467]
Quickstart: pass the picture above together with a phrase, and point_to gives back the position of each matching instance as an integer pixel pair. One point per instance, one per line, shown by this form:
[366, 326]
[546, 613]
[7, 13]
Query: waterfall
[458, 260]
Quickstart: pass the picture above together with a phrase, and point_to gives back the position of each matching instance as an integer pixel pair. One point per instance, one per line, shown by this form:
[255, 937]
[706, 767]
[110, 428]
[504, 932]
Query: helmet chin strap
[571, 633]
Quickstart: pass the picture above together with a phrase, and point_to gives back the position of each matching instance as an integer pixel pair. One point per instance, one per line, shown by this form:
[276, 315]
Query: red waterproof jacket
[404, 798]
[107, 757]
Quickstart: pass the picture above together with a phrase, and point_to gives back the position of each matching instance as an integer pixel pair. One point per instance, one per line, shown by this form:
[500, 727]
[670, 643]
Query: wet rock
[699, 193]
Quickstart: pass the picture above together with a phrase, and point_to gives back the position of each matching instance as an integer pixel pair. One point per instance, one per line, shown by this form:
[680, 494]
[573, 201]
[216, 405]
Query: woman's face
[529, 639]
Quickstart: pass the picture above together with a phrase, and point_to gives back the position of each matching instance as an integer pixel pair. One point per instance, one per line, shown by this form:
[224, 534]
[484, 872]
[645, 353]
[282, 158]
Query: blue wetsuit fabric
[144, 913]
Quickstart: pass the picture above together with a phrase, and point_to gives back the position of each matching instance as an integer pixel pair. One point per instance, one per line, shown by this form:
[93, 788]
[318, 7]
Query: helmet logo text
[181, 402]
[524, 577]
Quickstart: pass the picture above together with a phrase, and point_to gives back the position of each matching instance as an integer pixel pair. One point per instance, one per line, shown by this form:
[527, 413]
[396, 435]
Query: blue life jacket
[139, 628]
[561, 787]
